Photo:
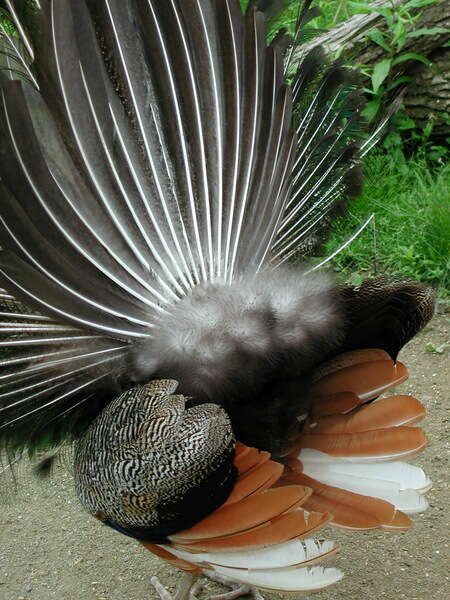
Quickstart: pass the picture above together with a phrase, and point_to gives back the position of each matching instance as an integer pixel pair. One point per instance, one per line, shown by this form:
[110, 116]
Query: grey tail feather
[147, 149]
[53, 377]
[326, 171]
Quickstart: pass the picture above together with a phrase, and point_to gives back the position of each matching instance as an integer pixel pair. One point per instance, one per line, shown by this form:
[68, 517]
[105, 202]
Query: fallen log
[428, 94]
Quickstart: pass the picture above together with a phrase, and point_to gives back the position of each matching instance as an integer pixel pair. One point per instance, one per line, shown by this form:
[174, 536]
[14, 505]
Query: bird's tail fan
[163, 159]
[353, 447]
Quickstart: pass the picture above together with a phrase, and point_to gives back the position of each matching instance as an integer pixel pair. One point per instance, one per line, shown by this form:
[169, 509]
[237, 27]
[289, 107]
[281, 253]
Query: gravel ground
[51, 549]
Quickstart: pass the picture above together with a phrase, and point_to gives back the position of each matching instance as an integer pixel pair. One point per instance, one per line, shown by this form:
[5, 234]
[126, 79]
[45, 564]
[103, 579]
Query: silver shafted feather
[155, 159]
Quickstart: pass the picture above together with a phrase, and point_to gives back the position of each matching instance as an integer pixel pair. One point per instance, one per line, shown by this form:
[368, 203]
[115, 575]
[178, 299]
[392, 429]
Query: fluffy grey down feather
[225, 341]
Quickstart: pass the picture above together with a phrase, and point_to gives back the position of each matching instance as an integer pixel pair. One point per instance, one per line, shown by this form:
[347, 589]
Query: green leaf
[371, 109]
[377, 37]
[401, 41]
[436, 349]
[399, 30]
[418, 3]
[428, 129]
[388, 15]
[398, 81]
[406, 123]
[361, 7]
[411, 56]
[431, 31]
[380, 72]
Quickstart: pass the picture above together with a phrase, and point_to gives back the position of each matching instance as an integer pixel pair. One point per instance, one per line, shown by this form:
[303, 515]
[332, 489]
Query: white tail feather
[279, 556]
[285, 580]
[399, 483]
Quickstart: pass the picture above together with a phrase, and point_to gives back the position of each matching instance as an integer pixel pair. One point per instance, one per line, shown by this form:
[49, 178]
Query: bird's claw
[190, 587]
[186, 591]
[237, 589]
[160, 589]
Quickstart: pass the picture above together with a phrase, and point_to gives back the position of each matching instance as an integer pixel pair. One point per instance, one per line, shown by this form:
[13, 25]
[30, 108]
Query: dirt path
[49, 548]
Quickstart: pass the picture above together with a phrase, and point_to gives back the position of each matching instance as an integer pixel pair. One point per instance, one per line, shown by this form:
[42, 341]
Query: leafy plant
[407, 135]
[400, 26]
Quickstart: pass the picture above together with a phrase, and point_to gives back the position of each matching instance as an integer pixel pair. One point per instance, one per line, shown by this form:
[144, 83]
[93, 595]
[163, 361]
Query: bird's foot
[186, 591]
[237, 589]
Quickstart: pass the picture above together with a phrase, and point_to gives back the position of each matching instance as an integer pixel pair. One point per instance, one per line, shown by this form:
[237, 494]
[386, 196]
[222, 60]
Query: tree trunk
[428, 95]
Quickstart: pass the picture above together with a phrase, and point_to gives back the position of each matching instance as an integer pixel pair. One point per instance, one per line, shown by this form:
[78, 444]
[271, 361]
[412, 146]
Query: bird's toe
[160, 589]
[237, 590]
[188, 588]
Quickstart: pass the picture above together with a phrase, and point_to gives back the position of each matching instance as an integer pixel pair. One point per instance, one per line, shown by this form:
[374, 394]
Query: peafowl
[165, 174]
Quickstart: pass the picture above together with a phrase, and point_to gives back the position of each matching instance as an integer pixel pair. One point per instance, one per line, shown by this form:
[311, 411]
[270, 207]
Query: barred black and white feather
[157, 169]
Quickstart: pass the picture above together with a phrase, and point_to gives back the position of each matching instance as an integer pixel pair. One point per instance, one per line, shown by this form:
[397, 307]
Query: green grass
[410, 235]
